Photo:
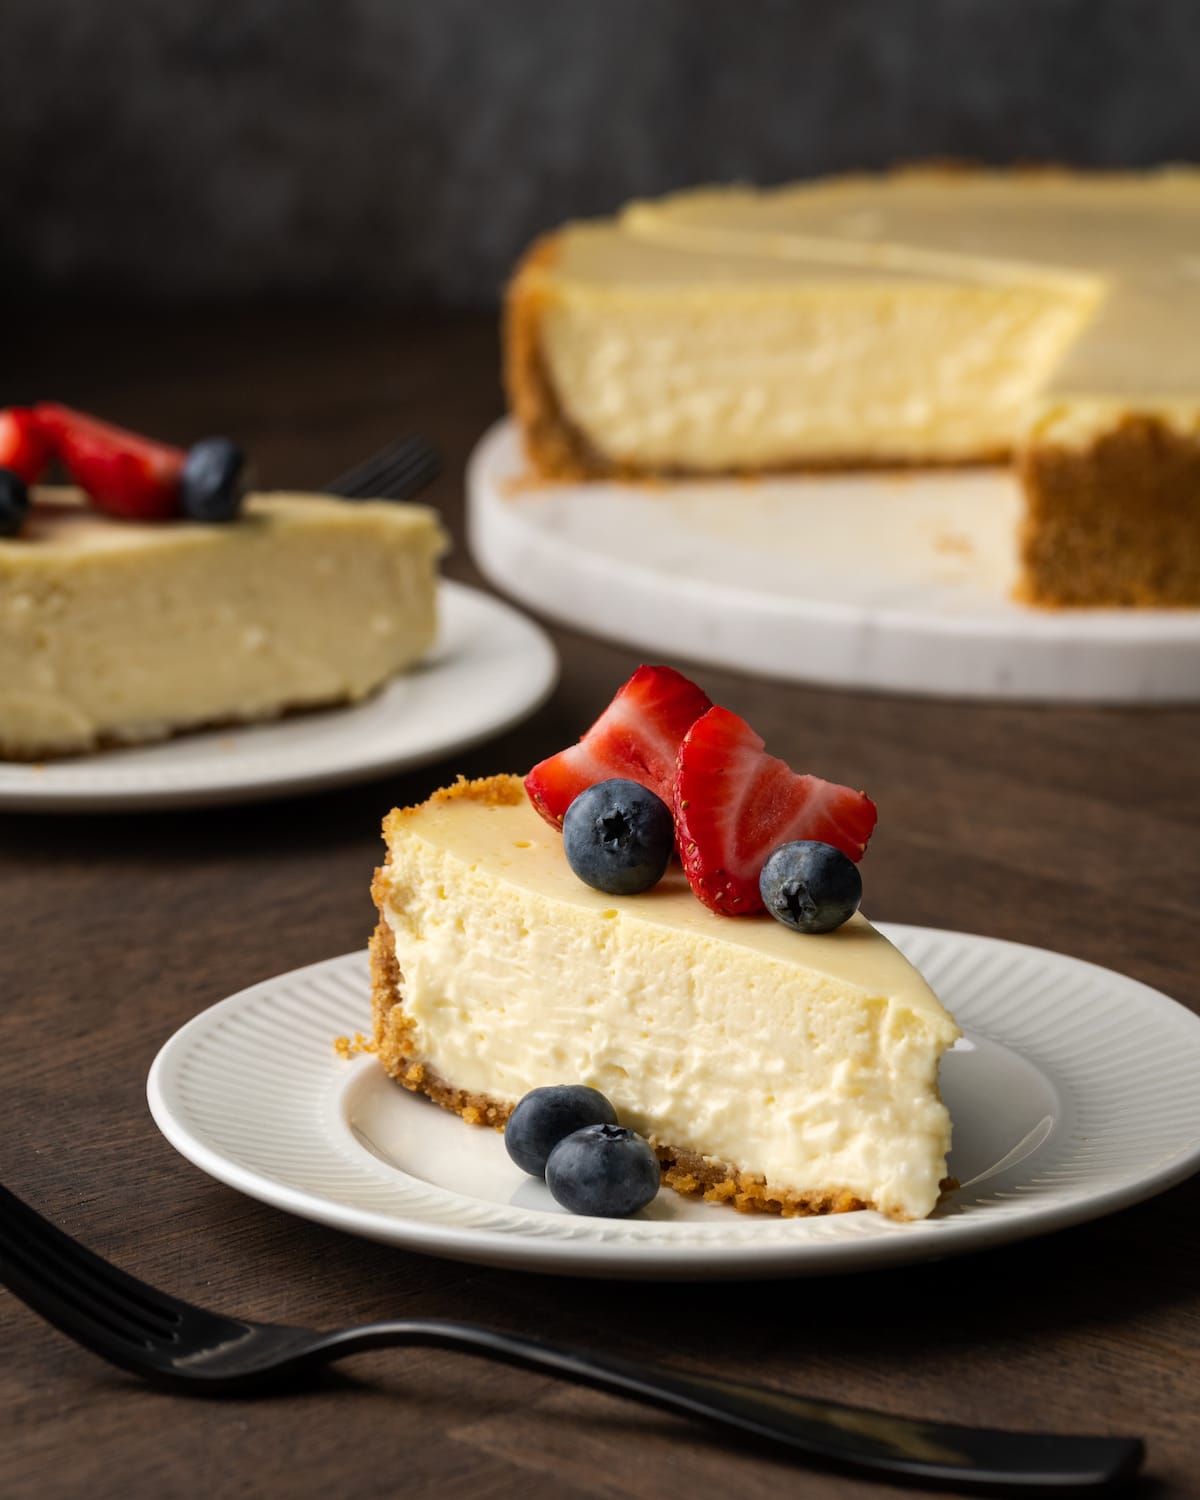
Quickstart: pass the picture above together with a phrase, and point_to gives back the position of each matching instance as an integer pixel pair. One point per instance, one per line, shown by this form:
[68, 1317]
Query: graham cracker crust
[556, 448]
[1113, 523]
[687, 1172]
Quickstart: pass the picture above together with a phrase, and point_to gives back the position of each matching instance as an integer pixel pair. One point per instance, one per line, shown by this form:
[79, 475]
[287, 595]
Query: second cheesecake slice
[116, 632]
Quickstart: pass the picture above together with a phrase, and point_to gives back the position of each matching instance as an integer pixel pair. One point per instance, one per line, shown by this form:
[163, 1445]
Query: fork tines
[87, 1297]
[398, 472]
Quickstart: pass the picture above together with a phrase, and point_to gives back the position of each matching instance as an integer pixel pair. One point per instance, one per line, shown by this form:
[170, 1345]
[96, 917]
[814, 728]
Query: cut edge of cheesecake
[561, 452]
[686, 1170]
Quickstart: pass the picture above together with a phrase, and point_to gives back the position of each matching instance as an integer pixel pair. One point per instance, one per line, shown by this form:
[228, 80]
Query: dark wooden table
[1071, 828]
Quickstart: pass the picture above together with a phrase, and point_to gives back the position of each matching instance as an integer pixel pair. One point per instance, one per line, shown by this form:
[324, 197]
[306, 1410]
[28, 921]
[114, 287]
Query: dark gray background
[374, 149]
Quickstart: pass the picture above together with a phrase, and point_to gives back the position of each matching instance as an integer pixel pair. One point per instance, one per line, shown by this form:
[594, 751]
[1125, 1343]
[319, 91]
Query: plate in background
[490, 668]
[899, 581]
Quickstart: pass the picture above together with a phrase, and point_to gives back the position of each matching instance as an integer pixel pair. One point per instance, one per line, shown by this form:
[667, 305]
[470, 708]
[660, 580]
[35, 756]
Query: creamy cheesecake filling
[778, 375]
[809, 1061]
[119, 632]
[1122, 246]
[921, 316]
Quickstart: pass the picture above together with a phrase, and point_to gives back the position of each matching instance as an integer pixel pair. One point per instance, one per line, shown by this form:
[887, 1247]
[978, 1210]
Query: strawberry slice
[124, 473]
[25, 444]
[637, 736]
[734, 804]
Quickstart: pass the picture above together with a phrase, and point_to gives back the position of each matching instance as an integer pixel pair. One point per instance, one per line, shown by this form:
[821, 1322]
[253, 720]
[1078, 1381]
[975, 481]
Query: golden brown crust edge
[556, 449]
[686, 1171]
[1114, 523]
[503, 790]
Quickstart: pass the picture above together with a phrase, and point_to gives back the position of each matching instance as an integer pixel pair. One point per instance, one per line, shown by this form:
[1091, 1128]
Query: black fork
[399, 471]
[192, 1350]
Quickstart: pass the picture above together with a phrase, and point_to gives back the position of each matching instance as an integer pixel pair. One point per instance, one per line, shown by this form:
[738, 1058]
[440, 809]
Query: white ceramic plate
[1072, 1094]
[897, 581]
[490, 668]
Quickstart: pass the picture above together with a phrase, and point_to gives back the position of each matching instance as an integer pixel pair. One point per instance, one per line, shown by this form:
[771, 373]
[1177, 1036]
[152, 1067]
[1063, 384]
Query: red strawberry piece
[124, 473]
[734, 804]
[25, 444]
[637, 736]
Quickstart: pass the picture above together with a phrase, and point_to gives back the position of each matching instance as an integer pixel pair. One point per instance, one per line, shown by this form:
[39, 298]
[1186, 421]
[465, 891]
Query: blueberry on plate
[604, 1170]
[810, 886]
[14, 502]
[213, 483]
[544, 1116]
[618, 837]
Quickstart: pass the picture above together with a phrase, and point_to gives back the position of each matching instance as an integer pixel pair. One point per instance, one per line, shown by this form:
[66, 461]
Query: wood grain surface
[1074, 829]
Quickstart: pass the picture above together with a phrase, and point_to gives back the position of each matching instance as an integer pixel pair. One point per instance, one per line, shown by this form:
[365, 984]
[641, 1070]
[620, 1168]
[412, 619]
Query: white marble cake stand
[893, 581]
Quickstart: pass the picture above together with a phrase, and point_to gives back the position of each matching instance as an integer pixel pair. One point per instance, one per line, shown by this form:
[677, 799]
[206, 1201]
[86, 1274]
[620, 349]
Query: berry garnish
[546, 1116]
[604, 1170]
[734, 804]
[637, 736]
[14, 502]
[212, 484]
[25, 443]
[123, 473]
[810, 886]
[618, 837]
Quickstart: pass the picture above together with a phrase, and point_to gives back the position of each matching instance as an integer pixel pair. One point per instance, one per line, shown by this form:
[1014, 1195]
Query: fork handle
[973, 1459]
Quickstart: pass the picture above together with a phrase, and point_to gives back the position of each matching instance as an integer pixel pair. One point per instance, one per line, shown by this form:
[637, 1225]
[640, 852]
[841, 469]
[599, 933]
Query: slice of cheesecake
[785, 1072]
[926, 317]
[114, 632]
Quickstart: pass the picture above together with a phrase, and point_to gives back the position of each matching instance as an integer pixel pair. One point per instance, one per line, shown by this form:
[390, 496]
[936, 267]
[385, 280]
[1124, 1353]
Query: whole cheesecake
[927, 317]
[115, 632]
[786, 1072]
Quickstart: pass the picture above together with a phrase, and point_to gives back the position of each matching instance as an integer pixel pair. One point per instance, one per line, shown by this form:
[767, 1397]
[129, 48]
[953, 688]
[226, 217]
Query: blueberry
[810, 886]
[618, 837]
[212, 484]
[604, 1170]
[544, 1116]
[14, 502]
